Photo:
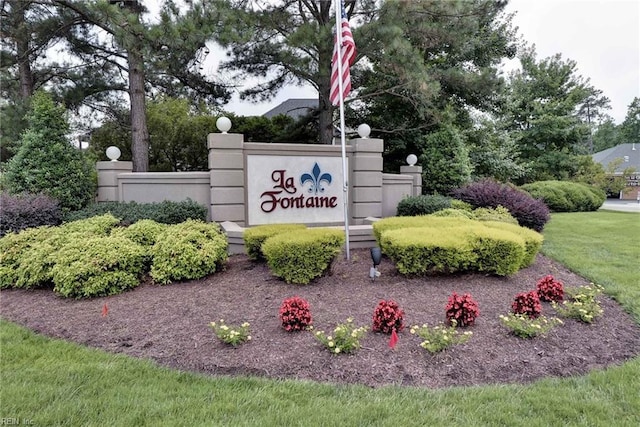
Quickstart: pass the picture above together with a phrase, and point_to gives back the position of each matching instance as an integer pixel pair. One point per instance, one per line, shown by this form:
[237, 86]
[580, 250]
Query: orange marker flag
[394, 339]
[105, 310]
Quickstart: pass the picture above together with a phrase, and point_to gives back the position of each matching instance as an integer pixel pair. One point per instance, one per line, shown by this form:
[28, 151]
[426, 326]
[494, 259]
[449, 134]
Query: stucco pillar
[108, 179]
[226, 168]
[366, 179]
[416, 173]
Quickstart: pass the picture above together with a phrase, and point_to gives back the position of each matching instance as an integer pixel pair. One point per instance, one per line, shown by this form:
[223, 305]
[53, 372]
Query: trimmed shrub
[532, 239]
[144, 232]
[13, 248]
[499, 213]
[529, 212]
[455, 213]
[35, 268]
[461, 310]
[397, 222]
[388, 316]
[566, 196]
[295, 314]
[459, 204]
[190, 250]
[498, 251]
[95, 226]
[422, 205]
[527, 304]
[300, 257]
[97, 266]
[27, 211]
[254, 237]
[165, 212]
[418, 251]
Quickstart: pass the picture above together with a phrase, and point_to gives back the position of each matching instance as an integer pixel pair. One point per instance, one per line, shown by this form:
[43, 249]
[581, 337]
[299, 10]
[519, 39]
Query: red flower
[463, 309]
[527, 303]
[549, 289]
[388, 317]
[295, 314]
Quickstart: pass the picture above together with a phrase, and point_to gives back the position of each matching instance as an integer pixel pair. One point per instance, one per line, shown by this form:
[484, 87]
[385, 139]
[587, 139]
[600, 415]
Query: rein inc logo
[294, 192]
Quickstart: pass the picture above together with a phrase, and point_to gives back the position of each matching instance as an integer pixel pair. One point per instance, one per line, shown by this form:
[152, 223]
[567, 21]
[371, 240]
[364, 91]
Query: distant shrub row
[431, 244]
[566, 196]
[165, 212]
[95, 257]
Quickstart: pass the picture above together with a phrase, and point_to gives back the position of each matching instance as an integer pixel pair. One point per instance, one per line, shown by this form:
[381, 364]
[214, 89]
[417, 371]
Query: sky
[603, 37]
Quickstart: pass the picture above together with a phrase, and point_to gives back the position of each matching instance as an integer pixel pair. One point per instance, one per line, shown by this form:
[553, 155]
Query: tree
[445, 161]
[543, 108]
[630, 127]
[46, 161]
[607, 135]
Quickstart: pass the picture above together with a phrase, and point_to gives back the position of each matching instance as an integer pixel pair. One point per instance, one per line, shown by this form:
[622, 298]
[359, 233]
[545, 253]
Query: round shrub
[388, 316]
[455, 213]
[190, 250]
[532, 239]
[254, 237]
[529, 212]
[95, 226]
[499, 213]
[550, 289]
[498, 251]
[13, 248]
[566, 196]
[97, 266]
[422, 205]
[144, 232]
[462, 310]
[527, 304]
[301, 257]
[295, 314]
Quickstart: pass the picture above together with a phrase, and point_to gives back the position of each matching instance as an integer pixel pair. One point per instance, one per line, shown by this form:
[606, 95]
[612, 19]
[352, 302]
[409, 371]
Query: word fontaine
[282, 195]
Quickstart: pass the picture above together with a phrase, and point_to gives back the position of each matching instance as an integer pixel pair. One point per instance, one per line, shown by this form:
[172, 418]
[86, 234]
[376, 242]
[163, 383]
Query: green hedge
[396, 222]
[254, 237]
[566, 196]
[498, 251]
[302, 256]
[532, 239]
[190, 250]
[165, 212]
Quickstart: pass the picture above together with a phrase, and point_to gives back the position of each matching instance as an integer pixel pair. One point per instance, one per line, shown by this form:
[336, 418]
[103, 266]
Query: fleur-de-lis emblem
[316, 179]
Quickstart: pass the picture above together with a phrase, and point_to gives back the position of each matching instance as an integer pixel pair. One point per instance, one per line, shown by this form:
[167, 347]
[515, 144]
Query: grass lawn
[52, 382]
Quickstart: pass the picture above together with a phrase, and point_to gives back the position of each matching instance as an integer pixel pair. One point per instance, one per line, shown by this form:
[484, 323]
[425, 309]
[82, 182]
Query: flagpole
[345, 182]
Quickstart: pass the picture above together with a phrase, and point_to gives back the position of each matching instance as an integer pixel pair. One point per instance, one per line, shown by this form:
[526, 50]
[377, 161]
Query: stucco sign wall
[294, 189]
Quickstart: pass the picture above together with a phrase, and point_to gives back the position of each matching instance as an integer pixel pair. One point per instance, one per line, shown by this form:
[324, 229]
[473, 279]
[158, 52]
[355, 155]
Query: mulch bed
[169, 324]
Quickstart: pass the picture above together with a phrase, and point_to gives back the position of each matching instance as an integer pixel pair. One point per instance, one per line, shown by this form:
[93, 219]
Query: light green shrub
[456, 213]
[499, 213]
[36, 265]
[95, 226]
[254, 237]
[13, 247]
[302, 256]
[498, 251]
[190, 250]
[417, 251]
[532, 239]
[459, 204]
[97, 266]
[144, 232]
[396, 222]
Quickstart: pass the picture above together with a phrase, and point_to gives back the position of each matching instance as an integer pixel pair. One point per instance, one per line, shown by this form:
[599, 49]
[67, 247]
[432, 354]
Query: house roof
[294, 108]
[629, 153]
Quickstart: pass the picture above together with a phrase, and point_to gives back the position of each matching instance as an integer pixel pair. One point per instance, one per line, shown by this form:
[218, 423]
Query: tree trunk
[23, 36]
[139, 131]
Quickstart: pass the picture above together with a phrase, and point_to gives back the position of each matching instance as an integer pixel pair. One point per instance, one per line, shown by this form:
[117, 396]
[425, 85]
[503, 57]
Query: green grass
[52, 382]
[603, 247]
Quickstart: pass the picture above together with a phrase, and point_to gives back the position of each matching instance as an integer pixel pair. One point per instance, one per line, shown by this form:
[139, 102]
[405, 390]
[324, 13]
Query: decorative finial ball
[113, 153]
[223, 124]
[412, 159]
[364, 130]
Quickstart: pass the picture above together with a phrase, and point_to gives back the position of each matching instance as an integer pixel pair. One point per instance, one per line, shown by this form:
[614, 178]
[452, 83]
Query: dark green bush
[189, 250]
[254, 237]
[26, 211]
[47, 163]
[422, 205]
[302, 256]
[567, 196]
[97, 266]
[165, 212]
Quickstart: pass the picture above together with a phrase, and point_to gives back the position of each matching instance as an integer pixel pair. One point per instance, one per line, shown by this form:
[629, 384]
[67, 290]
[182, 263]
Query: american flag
[348, 55]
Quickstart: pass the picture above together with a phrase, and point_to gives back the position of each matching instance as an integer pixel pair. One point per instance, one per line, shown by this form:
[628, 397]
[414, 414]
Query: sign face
[290, 189]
